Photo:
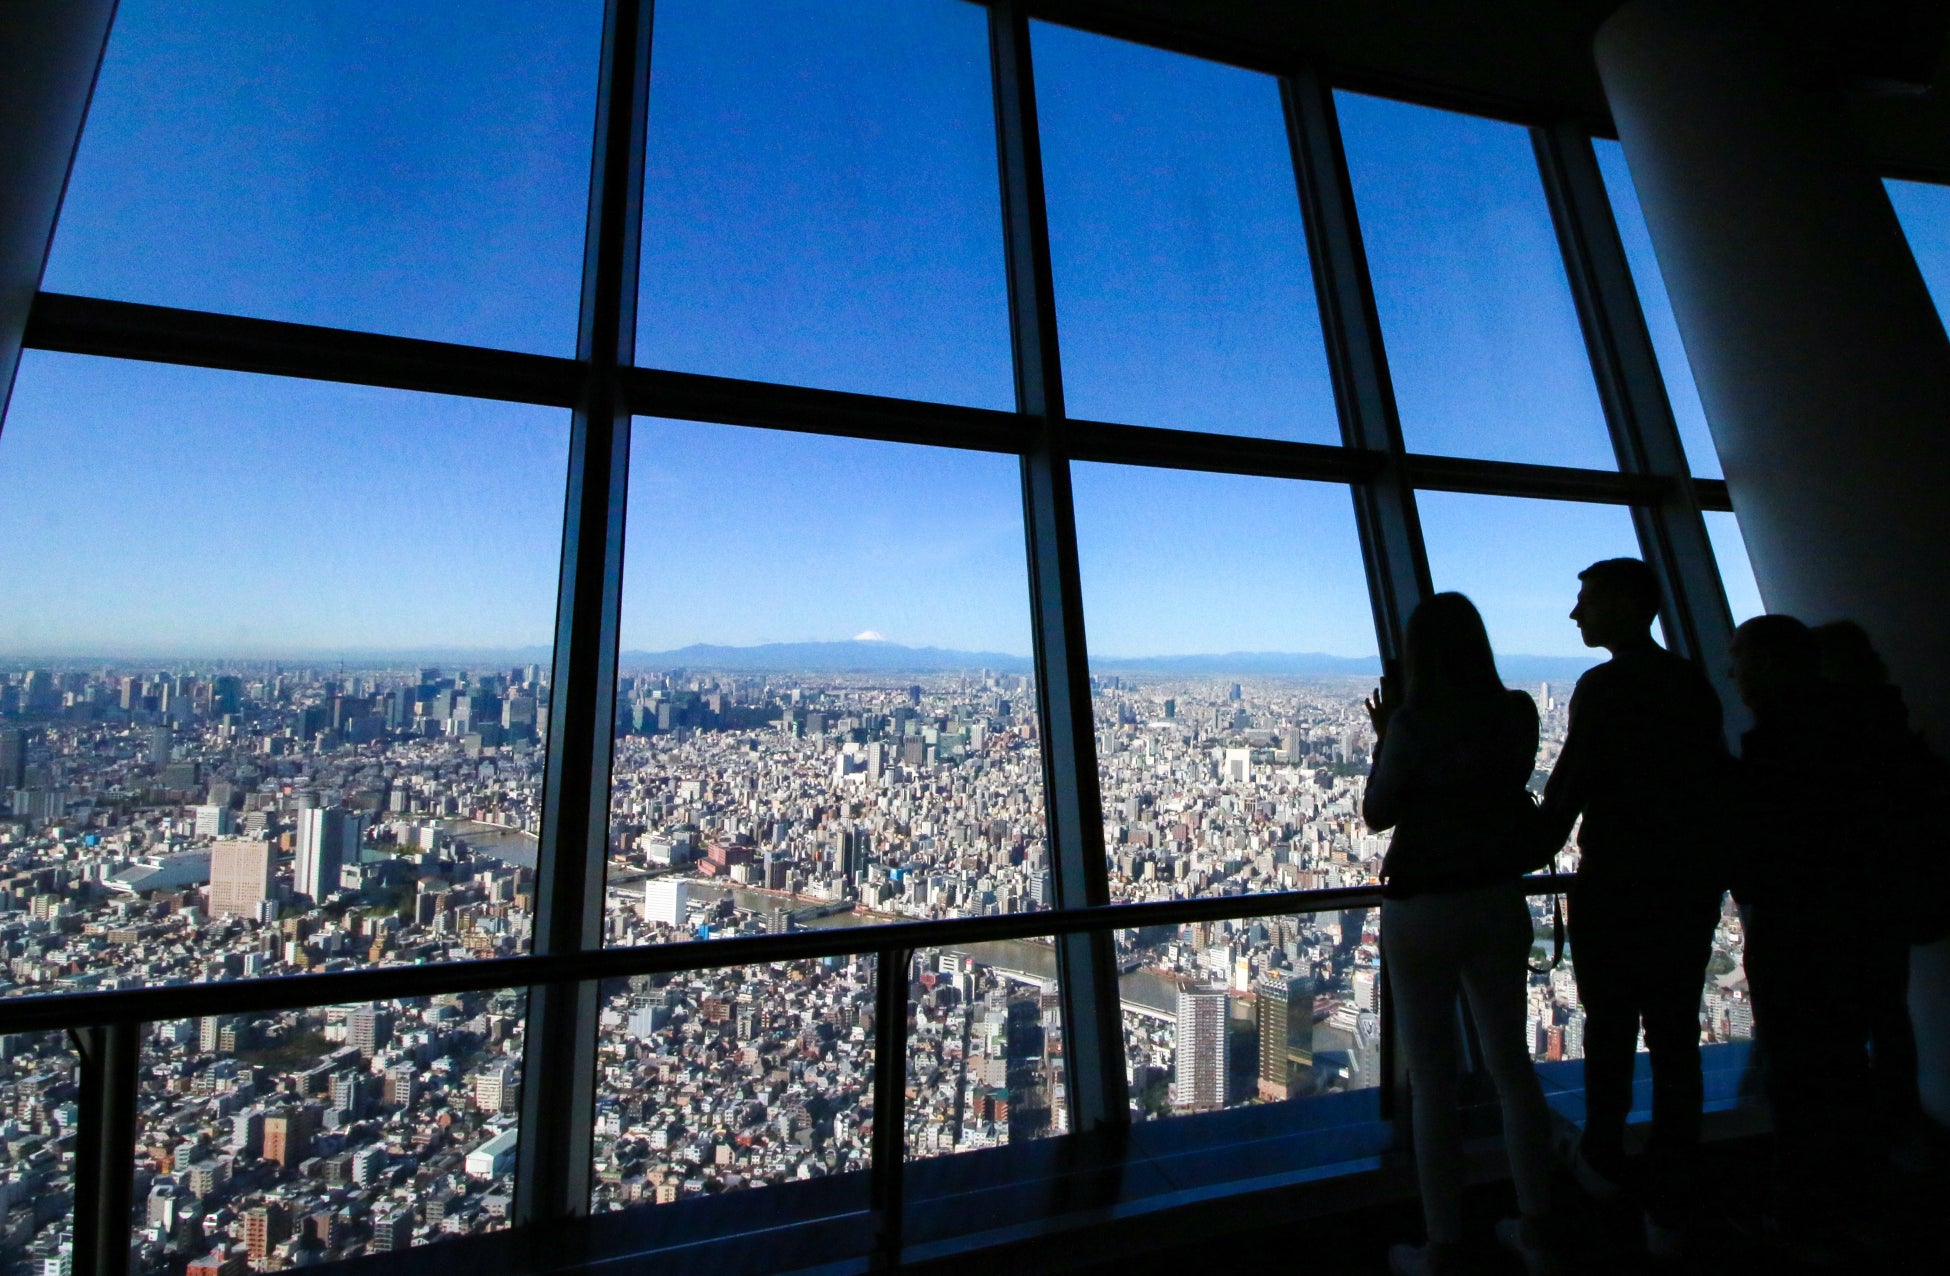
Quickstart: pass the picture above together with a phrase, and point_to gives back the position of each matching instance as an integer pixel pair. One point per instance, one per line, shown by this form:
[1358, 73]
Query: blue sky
[820, 208]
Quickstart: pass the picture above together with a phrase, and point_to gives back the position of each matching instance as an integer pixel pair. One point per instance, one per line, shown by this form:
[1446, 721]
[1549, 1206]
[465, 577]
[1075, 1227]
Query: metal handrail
[74, 1010]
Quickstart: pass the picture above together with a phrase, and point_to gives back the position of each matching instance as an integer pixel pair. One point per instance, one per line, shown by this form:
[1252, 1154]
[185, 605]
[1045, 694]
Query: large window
[876, 620]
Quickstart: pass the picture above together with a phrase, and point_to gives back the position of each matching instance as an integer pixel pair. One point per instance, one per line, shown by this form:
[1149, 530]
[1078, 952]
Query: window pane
[1674, 369]
[985, 1061]
[1259, 1010]
[1231, 745]
[1736, 573]
[1183, 289]
[1483, 341]
[821, 747]
[309, 1136]
[277, 657]
[715, 1081]
[420, 169]
[820, 203]
[1555, 1023]
[1923, 208]
[39, 1076]
[1518, 560]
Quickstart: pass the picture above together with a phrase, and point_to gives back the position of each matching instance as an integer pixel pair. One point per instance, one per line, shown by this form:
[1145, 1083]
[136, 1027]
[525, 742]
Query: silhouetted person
[1804, 983]
[1452, 760]
[1645, 763]
[1907, 793]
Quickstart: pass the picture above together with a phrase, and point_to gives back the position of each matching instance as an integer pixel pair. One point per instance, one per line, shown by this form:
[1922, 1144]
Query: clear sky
[821, 208]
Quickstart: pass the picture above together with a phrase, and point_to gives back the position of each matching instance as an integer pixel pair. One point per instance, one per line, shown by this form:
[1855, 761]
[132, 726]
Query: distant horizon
[708, 656]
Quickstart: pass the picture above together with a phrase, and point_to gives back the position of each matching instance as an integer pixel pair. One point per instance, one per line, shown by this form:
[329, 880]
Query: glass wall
[278, 671]
[1484, 347]
[820, 202]
[1182, 283]
[985, 1058]
[1259, 1010]
[40, 1113]
[308, 1136]
[1688, 413]
[826, 712]
[1227, 681]
[416, 169]
[276, 651]
[718, 1081]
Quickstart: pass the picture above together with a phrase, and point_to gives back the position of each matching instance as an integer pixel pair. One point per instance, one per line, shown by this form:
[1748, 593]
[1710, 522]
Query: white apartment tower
[666, 900]
[328, 839]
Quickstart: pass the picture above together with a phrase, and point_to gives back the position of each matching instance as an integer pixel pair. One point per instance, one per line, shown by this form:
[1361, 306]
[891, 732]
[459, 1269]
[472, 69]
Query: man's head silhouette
[1618, 599]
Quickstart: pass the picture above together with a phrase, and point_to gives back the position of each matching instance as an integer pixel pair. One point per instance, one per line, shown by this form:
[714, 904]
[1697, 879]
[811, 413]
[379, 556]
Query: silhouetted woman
[1905, 787]
[1452, 762]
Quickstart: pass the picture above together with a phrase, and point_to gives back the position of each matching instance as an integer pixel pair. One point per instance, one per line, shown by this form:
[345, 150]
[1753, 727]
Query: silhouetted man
[1643, 763]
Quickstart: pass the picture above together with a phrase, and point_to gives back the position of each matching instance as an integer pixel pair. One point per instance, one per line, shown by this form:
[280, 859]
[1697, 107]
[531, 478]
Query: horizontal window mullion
[1547, 482]
[1713, 494]
[164, 334]
[1216, 453]
[690, 396]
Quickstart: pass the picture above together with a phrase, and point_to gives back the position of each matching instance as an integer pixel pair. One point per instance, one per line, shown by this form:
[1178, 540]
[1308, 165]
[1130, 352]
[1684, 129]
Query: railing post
[105, 1148]
[888, 1175]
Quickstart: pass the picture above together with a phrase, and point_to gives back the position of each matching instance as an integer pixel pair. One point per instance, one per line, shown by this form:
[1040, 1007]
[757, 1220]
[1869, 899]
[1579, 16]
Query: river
[1141, 989]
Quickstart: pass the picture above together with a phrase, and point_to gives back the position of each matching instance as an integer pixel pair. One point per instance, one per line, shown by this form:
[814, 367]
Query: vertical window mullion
[558, 1092]
[1384, 505]
[1092, 1011]
[1672, 535]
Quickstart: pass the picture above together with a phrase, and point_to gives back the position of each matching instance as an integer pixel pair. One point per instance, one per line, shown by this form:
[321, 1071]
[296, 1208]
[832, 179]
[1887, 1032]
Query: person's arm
[1569, 787]
[1391, 777]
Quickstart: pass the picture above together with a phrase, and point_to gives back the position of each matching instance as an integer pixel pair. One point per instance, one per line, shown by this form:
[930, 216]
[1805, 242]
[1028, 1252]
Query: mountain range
[889, 657]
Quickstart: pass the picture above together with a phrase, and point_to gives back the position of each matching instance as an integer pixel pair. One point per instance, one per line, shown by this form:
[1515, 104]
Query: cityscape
[218, 822]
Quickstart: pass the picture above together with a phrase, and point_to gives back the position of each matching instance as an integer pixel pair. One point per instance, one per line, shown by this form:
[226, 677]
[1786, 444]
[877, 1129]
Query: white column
[48, 56]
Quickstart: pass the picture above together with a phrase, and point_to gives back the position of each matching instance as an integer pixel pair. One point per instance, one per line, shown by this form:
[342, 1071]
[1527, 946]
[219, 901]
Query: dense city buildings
[210, 823]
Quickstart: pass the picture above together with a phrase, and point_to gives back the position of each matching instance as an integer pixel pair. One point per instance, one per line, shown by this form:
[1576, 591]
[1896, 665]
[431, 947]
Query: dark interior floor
[1905, 1226]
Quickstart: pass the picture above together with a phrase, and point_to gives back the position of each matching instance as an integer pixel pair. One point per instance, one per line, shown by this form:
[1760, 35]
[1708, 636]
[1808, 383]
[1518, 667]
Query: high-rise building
[1199, 1074]
[666, 900]
[264, 1227]
[368, 1029]
[287, 1136]
[392, 1229]
[213, 820]
[328, 840]
[496, 1087]
[1284, 1009]
[240, 877]
[13, 758]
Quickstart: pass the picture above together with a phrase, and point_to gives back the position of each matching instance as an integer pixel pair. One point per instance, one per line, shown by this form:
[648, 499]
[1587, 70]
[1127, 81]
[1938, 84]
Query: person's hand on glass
[1381, 706]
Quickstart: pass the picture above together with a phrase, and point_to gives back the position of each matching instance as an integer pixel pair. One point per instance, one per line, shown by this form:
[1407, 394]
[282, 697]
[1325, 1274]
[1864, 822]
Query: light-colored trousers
[1477, 942]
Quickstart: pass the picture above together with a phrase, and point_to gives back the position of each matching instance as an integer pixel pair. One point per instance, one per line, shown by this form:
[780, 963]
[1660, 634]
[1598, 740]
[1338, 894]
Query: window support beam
[1672, 535]
[553, 1157]
[1092, 1014]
